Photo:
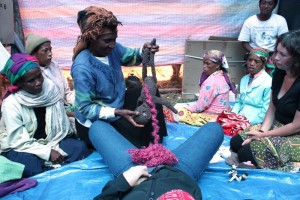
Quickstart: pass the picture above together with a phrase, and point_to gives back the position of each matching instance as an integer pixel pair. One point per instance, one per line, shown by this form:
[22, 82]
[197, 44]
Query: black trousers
[244, 152]
[139, 137]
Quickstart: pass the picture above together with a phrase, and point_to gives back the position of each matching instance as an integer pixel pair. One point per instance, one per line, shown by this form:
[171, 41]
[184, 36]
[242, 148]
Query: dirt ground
[169, 81]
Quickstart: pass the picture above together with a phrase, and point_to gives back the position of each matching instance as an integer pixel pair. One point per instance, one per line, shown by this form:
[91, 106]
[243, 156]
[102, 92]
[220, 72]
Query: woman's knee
[99, 132]
[97, 129]
[245, 154]
[236, 143]
[215, 131]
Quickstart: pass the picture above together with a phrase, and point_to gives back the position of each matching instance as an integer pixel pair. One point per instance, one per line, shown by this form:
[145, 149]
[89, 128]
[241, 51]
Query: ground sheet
[85, 179]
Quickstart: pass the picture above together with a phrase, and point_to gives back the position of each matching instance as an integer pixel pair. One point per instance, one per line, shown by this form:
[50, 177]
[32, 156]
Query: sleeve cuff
[123, 184]
[141, 51]
[106, 112]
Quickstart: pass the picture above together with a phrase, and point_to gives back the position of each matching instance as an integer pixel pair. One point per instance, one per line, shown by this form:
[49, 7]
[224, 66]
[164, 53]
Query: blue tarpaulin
[84, 179]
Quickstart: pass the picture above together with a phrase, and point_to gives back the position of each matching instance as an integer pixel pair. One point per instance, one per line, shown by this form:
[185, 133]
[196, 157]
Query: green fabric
[28, 65]
[264, 55]
[278, 153]
[10, 170]
[259, 53]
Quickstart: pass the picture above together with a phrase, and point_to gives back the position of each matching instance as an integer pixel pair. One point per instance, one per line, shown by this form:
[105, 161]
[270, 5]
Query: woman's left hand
[128, 115]
[253, 135]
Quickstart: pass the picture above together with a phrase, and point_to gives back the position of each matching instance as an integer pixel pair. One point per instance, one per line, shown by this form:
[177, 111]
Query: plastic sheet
[84, 179]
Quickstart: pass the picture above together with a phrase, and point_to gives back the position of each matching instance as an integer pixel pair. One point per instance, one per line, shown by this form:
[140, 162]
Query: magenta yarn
[155, 154]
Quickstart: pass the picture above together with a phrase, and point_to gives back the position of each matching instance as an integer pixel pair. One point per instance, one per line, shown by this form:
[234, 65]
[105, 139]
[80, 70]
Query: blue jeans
[193, 155]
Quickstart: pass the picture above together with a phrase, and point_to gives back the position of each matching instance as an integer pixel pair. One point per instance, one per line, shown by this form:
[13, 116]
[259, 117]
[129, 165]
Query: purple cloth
[18, 185]
[19, 60]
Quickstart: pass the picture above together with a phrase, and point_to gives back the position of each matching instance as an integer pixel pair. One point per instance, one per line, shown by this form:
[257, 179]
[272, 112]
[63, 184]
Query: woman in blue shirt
[102, 102]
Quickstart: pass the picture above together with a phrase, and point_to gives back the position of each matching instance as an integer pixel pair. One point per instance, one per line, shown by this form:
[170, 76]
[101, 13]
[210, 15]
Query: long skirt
[280, 153]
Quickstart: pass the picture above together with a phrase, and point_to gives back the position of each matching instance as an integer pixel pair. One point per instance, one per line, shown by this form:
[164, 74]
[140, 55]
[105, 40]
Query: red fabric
[176, 195]
[232, 123]
[11, 89]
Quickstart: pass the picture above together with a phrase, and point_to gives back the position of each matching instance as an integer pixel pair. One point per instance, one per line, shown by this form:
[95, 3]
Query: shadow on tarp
[84, 179]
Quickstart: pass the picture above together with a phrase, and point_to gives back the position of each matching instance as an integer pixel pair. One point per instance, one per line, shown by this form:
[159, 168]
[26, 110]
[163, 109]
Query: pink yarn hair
[155, 154]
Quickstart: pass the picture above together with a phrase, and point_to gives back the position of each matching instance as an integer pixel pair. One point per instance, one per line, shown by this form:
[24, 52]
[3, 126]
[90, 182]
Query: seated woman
[101, 98]
[275, 143]
[140, 182]
[213, 95]
[37, 131]
[41, 48]
[255, 88]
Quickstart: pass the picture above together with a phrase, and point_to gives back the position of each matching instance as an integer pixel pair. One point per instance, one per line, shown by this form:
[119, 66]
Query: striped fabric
[170, 21]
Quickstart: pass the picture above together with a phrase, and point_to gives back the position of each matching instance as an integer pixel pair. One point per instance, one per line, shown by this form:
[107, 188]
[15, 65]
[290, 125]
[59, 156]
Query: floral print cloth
[213, 95]
[279, 153]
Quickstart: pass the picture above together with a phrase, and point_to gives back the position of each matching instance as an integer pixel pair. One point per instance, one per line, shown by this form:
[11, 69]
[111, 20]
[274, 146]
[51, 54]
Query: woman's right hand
[135, 175]
[252, 135]
[56, 157]
[128, 115]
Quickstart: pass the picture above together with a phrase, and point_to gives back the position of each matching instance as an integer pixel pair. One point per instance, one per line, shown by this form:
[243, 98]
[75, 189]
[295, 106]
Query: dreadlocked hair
[92, 22]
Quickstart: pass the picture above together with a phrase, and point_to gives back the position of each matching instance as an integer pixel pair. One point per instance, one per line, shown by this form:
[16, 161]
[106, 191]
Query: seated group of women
[215, 86]
[38, 134]
[271, 105]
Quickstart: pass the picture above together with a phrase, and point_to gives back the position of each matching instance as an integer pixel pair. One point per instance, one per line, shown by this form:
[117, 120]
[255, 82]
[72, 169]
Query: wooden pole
[18, 28]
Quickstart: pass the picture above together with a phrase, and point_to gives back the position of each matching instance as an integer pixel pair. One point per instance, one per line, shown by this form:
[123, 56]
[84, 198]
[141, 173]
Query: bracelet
[260, 131]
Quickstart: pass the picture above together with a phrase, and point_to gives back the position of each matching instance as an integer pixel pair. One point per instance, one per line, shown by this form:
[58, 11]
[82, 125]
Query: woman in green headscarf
[255, 88]
[274, 144]
[37, 130]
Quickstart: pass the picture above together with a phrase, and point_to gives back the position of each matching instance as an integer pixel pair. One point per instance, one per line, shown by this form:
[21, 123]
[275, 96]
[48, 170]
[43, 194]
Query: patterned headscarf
[17, 66]
[264, 55]
[260, 52]
[92, 21]
[218, 57]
